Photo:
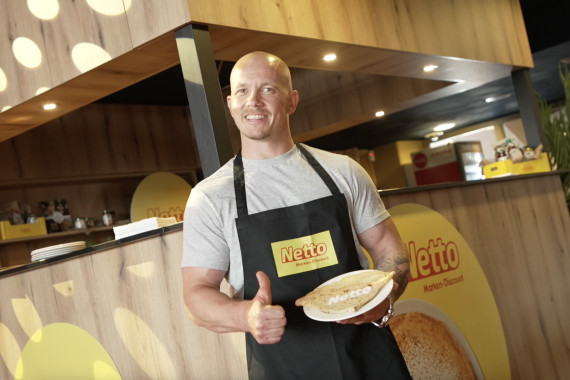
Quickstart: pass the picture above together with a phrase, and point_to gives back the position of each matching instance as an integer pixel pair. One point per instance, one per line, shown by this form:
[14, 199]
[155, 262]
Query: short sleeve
[204, 244]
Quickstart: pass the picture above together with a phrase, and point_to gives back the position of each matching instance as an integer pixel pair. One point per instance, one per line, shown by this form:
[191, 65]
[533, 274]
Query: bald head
[263, 60]
[260, 102]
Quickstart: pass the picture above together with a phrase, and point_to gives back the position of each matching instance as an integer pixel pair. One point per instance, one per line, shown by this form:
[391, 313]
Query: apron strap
[239, 186]
[320, 170]
[239, 179]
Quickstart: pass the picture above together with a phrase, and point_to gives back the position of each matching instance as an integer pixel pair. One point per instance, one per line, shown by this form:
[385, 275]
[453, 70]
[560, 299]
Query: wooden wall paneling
[126, 141]
[149, 19]
[10, 92]
[378, 43]
[129, 298]
[520, 232]
[22, 82]
[18, 254]
[76, 23]
[127, 69]
[332, 101]
[307, 53]
[172, 132]
[84, 199]
[103, 140]
[95, 158]
[426, 27]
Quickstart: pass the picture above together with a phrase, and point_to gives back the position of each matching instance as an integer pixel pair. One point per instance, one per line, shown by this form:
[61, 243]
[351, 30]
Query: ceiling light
[492, 99]
[329, 57]
[379, 114]
[433, 136]
[444, 127]
[429, 68]
[49, 106]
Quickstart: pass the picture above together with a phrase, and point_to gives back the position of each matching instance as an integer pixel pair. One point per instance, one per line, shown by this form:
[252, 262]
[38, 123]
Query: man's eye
[268, 90]
[240, 91]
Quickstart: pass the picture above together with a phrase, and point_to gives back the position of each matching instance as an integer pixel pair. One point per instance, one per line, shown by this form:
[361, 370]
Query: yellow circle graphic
[448, 283]
[160, 195]
[64, 351]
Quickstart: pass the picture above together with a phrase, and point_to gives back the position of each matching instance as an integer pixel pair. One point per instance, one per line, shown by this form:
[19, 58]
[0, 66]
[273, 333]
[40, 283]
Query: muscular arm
[214, 310]
[389, 253]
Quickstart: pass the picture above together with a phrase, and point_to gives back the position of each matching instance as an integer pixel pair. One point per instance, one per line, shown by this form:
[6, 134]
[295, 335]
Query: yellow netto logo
[304, 254]
[290, 253]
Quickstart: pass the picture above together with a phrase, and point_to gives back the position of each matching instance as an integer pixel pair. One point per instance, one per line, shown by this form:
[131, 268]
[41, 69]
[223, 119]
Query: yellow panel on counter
[9, 231]
[160, 195]
[65, 351]
[447, 289]
[507, 167]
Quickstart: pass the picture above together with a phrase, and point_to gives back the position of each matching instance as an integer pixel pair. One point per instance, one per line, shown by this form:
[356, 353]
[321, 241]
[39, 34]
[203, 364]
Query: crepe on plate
[348, 294]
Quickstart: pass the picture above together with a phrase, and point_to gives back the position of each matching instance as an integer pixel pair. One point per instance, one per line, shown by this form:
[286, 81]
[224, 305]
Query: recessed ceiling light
[429, 68]
[329, 57]
[444, 127]
[49, 106]
[492, 99]
[379, 114]
[433, 136]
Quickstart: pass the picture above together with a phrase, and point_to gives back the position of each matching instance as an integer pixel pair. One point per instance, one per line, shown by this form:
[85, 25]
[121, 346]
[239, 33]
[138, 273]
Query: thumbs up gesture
[266, 321]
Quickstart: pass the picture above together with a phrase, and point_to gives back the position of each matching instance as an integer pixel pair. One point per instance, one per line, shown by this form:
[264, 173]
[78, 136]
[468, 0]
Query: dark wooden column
[205, 98]
[528, 107]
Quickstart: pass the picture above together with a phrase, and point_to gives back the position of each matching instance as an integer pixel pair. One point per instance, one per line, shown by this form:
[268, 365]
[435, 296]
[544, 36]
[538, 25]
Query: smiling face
[261, 99]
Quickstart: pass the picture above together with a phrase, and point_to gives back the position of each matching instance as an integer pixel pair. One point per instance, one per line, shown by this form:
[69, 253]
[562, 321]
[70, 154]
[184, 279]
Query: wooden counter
[129, 298]
[519, 229]
[128, 294]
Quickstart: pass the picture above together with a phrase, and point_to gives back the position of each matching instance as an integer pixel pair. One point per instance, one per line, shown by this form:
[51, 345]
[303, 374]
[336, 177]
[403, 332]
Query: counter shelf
[88, 250]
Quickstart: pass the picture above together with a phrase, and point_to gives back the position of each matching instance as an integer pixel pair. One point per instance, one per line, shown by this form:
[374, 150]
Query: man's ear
[293, 101]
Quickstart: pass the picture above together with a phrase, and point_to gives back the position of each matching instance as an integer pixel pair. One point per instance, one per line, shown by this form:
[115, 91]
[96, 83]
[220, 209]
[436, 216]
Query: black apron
[308, 349]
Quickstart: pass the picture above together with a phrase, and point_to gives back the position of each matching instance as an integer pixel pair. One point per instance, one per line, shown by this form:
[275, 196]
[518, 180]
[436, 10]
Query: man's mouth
[255, 117]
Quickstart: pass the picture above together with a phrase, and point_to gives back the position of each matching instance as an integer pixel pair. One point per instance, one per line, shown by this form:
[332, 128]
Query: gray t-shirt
[210, 234]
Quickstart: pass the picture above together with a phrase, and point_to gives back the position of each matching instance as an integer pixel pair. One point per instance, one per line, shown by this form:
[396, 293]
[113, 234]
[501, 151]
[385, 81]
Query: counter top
[89, 250]
[446, 185]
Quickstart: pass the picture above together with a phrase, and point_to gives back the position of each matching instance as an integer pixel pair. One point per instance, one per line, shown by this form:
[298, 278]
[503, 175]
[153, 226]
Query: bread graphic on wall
[430, 349]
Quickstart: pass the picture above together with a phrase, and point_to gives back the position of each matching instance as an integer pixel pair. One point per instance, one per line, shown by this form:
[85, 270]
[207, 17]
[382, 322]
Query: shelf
[110, 177]
[85, 231]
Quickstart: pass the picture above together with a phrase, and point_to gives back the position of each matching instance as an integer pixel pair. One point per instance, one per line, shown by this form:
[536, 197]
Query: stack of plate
[56, 250]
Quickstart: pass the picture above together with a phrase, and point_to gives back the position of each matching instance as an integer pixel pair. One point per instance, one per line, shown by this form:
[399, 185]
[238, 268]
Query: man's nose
[254, 99]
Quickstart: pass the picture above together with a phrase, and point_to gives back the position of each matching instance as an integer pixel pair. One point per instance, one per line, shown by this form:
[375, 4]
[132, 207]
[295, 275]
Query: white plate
[73, 245]
[47, 255]
[59, 250]
[415, 304]
[318, 315]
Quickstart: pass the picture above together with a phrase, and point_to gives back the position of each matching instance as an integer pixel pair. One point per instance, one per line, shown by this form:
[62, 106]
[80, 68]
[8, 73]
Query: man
[276, 196]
